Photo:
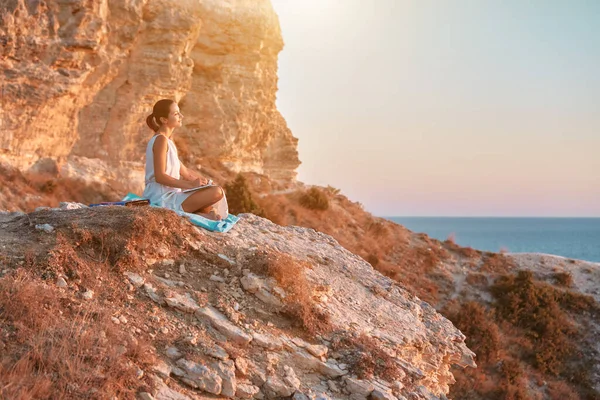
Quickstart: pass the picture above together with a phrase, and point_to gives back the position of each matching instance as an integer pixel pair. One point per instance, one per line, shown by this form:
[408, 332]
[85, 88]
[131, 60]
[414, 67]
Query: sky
[446, 108]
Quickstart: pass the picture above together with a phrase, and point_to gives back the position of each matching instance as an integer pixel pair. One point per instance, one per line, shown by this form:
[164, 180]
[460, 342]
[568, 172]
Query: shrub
[290, 276]
[314, 199]
[535, 308]
[331, 190]
[373, 260]
[239, 197]
[368, 358]
[479, 327]
[564, 279]
[451, 238]
[560, 390]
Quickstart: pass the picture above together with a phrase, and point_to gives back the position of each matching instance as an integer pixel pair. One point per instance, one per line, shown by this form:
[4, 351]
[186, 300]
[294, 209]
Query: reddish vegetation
[529, 338]
[290, 276]
[520, 341]
[25, 192]
[366, 357]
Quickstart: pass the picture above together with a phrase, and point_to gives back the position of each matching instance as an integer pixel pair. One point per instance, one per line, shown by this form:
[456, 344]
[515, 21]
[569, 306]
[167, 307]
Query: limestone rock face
[260, 351]
[78, 79]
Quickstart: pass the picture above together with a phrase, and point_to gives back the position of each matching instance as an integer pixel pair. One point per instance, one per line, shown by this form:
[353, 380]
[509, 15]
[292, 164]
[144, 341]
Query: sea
[577, 238]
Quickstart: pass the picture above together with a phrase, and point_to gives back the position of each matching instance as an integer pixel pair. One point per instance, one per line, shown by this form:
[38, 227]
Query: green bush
[239, 197]
[314, 199]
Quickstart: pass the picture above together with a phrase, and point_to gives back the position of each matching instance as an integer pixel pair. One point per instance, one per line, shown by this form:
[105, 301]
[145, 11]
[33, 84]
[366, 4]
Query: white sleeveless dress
[164, 196]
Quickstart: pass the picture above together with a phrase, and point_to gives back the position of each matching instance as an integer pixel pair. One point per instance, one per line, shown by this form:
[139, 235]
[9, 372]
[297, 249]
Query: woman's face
[175, 117]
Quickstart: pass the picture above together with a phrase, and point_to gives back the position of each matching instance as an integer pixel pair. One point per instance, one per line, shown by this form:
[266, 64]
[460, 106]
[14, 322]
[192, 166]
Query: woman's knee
[219, 193]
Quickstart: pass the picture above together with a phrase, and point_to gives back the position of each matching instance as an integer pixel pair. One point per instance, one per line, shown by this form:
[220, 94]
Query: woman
[166, 176]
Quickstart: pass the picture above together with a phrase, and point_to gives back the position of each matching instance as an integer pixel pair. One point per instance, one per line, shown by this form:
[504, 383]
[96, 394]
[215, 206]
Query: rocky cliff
[118, 302]
[78, 79]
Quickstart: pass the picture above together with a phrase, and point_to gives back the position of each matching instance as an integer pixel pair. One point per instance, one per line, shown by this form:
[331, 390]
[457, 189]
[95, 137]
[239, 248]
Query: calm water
[577, 238]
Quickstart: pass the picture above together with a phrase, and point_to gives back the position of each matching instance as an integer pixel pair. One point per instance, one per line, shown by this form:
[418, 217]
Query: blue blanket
[223, 225]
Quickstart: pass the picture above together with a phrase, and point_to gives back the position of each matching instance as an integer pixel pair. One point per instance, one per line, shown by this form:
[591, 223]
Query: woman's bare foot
[211, 215]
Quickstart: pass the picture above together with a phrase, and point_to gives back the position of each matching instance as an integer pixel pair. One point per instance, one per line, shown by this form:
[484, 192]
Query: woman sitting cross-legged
[166, 176]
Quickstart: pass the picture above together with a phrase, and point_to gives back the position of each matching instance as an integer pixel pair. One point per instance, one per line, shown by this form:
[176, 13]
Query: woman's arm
[190, 175]
[159, 150]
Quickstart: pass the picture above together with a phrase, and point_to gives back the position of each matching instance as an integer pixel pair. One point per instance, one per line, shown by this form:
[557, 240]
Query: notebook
[209, 184]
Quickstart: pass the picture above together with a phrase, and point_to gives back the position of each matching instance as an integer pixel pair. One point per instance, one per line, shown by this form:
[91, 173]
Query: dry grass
[290, 276]
[535, 307]
[477, 323]
[563, 279]
[314, 199]
[26, 192]
[367, 357]
[57, 349]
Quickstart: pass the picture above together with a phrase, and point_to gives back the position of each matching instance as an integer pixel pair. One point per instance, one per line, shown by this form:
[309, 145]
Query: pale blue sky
[446, 107]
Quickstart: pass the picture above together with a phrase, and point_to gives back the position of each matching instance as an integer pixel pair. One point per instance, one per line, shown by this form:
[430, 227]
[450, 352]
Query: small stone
[299, 342]
[251, 283]
[333, 386]
[224, 257]
[381, 395]
[63, 205]
[258, 377]
[242, 365]
[88, 295]
[217, 352]
[139, 373]
[135, 279]
[168, 262]
[279, 292]
[267, 341]
[300, 396]
[200, 377]
[115, 320]
[167, 275]
[122, 319]
[120, 350]
[266, 297]
[162, 368]
[359, 387]
[226, 370]
[317, 350]
[274, 387]
[181, 302]
[164, 330]
[182, 269]
[290, 377]
[152, 293]
[222, 324]
[61, 283]
[216, 278]
[145, 396]
[173, 353]
[45, 227]
[244, 391]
